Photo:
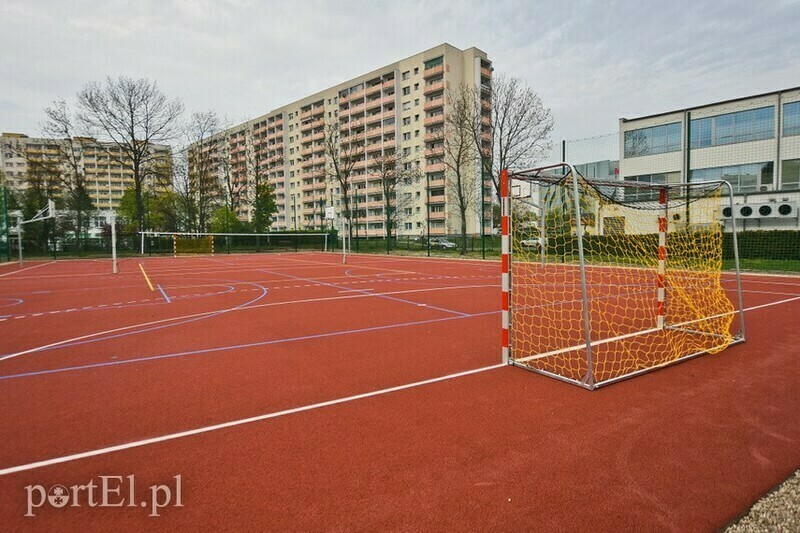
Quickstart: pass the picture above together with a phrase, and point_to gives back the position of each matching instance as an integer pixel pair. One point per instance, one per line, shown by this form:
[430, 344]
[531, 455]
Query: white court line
[26, 268]
[242, 421]
[231, 309]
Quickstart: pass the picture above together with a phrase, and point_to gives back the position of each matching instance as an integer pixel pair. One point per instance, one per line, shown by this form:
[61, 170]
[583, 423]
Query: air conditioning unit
[763, 210]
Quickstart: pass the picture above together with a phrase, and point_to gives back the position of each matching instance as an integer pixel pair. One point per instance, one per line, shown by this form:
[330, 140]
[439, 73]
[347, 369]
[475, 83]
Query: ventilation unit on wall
[763, 210]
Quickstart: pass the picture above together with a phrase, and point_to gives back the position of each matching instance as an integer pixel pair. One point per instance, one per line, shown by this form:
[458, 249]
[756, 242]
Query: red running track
[689, 447]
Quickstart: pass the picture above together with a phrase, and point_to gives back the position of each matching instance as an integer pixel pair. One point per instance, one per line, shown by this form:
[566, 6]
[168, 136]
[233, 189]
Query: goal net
[192, 244]
[154, 242]
[603, 280]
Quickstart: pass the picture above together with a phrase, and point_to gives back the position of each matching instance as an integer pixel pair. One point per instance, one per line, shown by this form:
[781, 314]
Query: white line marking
[355, 290]
[231, 309]
[242, 421]
[26, 268]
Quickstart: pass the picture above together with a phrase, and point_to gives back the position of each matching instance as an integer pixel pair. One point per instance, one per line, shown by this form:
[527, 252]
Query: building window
[743, 178]
[407, 136]
[742, 126]
[646, 194]
[406, 91]
[406, 106]
[435, 62]
[653, 140]
[406, 121]
[790, 174]
[406, 74]
[614, 225]
[791, 119]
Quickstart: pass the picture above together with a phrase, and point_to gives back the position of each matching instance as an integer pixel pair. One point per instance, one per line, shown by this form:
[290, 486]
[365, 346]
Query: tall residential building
[397, 109]
[751, 142]
[104, 165]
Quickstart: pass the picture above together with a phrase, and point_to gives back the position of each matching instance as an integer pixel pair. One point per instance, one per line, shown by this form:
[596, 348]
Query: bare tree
[394, 171]
[201, 186]
[69, 155]
[136, 116]
[460, 155]
[227, 184]
[259, 194]
[510, 125]
[341, 153]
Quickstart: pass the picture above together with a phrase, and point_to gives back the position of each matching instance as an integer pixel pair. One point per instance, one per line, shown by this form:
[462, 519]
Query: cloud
[592, 62]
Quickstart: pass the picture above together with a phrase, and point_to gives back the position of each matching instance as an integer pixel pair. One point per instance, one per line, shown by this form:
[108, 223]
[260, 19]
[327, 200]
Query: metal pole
[344, 240]
[19, 239]
[355, 198]
[142, 252]
[589, 378]
[483, 208]
[542, 226]
[114, 243]
[505, 265]
[6, 222]
[736, 262]
[688, 169]
[428, 210]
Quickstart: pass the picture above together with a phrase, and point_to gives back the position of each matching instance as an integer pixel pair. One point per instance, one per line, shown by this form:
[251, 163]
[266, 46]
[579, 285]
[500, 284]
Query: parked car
[531, 244]
[444, 244]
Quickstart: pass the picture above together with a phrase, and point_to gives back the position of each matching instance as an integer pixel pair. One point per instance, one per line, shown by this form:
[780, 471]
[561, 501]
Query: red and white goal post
[603, 280]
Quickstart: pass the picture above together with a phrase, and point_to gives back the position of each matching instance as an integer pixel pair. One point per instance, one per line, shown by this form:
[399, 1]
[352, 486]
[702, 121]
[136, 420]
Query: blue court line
[368, 293]
[264, 292]
[164, 294]
[248, 345]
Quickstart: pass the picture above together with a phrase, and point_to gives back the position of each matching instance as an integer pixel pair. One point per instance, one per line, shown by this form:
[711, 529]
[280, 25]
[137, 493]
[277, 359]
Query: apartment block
[397, 110]
[103, 164]
[752, 142]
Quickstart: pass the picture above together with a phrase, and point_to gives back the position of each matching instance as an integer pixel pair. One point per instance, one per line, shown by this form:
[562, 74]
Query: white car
[444, 244]
[531, 244]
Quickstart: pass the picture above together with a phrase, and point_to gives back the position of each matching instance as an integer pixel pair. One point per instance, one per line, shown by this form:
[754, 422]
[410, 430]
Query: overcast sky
[591, 62]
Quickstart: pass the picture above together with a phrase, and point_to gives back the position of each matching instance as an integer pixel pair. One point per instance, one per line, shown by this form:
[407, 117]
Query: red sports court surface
[294, 392]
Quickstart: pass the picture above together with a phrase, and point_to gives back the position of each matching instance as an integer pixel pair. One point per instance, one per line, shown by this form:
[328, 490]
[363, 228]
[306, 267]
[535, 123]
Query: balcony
[355, 110]
[373, 89]
[352, 124]
[436, 183]
[437, 215]
[434, 87]
[486, 72]
[434, 104]
[388, 83]
[438, 119]
[374, 119]
[434, 167]
[305, 114]
[433, 72]
[436, 151]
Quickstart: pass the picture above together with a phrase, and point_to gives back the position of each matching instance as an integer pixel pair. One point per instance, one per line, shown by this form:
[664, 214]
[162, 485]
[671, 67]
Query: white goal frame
[565, 171]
